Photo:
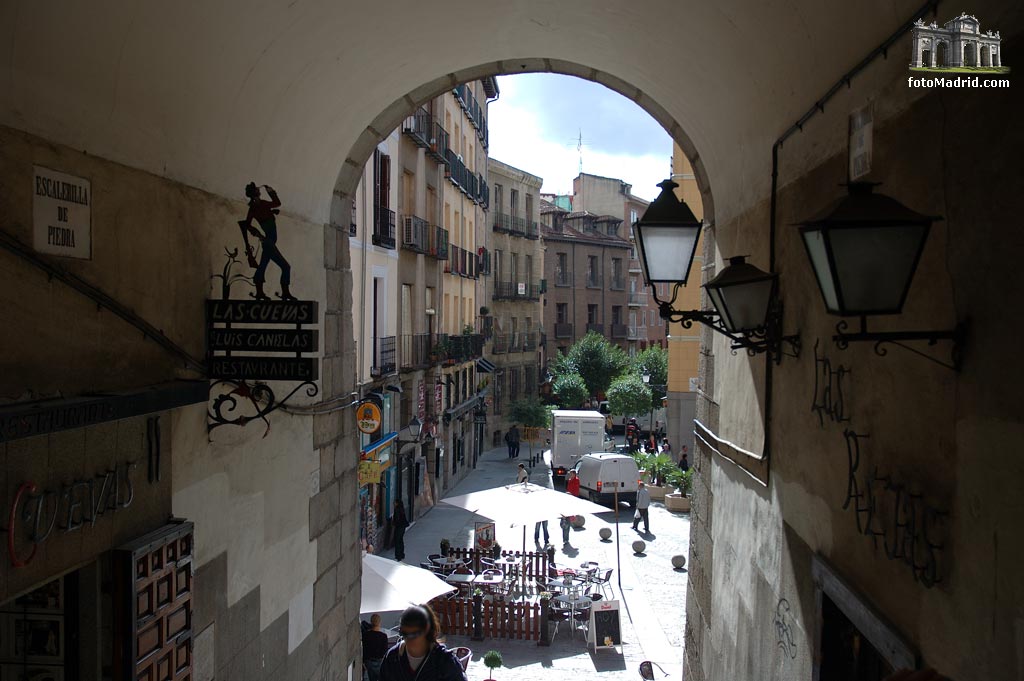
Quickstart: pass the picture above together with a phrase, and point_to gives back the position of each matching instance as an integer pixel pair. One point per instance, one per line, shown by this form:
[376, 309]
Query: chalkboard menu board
[604, 624]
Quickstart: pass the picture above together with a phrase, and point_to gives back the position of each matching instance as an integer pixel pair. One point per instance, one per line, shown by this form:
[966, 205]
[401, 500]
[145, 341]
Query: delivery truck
[573, 434]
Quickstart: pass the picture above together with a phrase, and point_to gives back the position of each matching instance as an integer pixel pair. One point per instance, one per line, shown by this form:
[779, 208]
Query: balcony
[383, 356]
[532, 230]
[500, 345]
[439, 242]
[619, 331]
[484, 262]
[515, 290]
[418, 128]
[415, 234]
[563, 279]
[596, 328]
[415, 351]
[635, 267]
[563, 330]
[483, 196]
[594, 280]
[636, 333]
[456, 172]
[529, 342]
[637, 299]
[438, 148]
[465, 347]
[617, 284]
[383, 226]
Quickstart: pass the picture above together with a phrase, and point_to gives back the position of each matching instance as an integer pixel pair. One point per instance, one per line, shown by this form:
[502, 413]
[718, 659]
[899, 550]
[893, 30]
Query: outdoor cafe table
[571, 586]
[507, 563]
[486, 581]
[449, 563]
[573, 604]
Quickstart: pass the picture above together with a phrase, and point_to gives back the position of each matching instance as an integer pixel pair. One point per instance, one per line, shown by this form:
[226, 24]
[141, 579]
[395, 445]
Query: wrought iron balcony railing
[383, 356]
[637, 299]
[619, 330]
[418, 127]
[617, 284]
[414, 351]
[384, 226]
[598, 328]
[594, 280]
[439, 243]
[563, 330]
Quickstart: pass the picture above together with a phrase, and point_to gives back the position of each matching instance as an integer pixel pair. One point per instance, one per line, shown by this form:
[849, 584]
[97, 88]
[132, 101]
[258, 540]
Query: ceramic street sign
[61, 214]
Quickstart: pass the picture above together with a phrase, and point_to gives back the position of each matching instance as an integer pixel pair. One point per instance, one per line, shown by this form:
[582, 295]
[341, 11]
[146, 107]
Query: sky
[536, 122]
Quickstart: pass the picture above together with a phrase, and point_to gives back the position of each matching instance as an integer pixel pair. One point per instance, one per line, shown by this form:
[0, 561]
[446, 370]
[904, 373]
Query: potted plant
[440, 350]
[659, 467]
[445, 546]
[468, 330]
[680, 500]
[545, 605]
[484, 311]
[492, 660]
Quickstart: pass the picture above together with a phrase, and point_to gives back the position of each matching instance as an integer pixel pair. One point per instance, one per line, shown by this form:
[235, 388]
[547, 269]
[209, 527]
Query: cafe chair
[557, 615]
[603, 582]
[595, 595]
[434, 556]
[581, 617]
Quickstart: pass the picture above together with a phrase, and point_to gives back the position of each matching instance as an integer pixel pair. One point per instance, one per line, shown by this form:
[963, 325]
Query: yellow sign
[369, 472]
[368, 418]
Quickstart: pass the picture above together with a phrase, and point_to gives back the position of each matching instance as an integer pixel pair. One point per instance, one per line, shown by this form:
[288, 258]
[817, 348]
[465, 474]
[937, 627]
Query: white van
[601, 474]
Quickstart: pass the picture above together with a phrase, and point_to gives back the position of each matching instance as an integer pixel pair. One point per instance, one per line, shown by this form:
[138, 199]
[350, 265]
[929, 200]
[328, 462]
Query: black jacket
[439, 665]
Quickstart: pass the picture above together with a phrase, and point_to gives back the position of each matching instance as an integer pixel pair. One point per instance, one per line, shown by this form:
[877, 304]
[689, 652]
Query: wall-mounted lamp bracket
[764, 339]
[957, 336]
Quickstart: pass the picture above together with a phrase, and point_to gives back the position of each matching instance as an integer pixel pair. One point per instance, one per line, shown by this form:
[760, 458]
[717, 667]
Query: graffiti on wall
[785, 628]
[829, 401]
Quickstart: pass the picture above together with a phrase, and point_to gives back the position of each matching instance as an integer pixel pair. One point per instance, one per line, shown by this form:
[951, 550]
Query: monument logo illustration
[958, 46]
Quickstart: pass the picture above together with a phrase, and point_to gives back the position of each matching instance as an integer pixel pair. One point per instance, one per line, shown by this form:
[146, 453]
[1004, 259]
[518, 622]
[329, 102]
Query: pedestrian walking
[643, 503]
[375, 646]
[666, 448]
[572, 484]
[565, 522]
[523, 475]
[540, 524]
[684, 465]
[418, 656]
[399, 522]
[513, 441]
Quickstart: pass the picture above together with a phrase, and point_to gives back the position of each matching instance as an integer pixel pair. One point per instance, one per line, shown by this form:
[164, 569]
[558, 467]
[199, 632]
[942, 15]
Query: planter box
[677, 503]
[657, 493]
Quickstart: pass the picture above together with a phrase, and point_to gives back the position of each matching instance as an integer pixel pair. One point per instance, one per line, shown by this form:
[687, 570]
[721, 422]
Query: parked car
[601, 474]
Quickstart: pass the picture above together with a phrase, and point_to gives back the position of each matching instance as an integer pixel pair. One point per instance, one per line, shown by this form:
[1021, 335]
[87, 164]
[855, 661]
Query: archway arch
[942, 54]
[400, 109]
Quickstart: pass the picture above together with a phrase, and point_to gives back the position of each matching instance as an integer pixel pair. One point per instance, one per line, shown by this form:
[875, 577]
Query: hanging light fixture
[747, 310]
[864, 250]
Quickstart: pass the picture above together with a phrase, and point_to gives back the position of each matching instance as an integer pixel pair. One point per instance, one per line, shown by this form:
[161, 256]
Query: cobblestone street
[652, 592]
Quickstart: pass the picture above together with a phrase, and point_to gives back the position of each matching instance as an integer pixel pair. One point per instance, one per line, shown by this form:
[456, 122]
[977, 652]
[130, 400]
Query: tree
[597, 361]
[629, 395]
[570, 390]
[531, 413]
[653, 361]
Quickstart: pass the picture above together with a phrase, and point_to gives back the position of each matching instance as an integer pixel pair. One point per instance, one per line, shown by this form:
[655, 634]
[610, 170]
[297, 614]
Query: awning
[485, 366]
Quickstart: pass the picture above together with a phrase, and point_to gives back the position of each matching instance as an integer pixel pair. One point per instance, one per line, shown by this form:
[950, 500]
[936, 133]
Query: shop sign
[228, 339]
[264, 340]
[264, 368]
[34, 516]
[483, 536]
[421, 407]
[61, 214]
[368, 418]
[369, 472]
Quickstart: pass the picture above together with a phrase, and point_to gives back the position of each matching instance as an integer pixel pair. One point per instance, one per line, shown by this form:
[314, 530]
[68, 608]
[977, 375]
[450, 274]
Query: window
[497, 198]
[616, 314]
[528, 271]
[513, 270]
[499, 265]
[592, 314]
[529, 207]
[617, 280]
[562, 313]
[513, 196]
[632, 217]
[562, 269]
[593, 271]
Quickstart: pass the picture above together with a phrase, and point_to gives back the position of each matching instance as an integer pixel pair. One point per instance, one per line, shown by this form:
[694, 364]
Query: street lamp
[650, 423]
[864, 250]
[747, 310]
[413, 429]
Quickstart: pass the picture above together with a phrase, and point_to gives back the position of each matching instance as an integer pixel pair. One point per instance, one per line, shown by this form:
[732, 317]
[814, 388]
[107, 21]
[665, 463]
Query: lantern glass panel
[666, 252]
[814, 240]
[874, 265]
[743, 306]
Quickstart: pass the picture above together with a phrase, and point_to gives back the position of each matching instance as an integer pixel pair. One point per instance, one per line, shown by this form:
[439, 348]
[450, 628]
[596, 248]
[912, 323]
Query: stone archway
[941, 54]
[986, 57]
[393, 115]
[970, 54]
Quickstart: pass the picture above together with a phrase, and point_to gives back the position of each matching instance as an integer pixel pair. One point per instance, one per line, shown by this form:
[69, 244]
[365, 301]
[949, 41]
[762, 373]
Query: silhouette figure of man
[263, 212]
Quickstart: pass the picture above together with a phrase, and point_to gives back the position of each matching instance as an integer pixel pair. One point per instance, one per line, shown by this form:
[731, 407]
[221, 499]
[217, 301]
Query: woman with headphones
[418, 656]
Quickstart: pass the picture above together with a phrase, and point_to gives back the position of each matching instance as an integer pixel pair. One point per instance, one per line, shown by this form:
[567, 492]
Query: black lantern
[414, 429]
[742, 295]
[667, 236]
[864, 250]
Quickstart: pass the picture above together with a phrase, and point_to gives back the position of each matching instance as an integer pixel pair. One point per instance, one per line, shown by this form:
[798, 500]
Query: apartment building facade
[585, 261]
[415, 269]
[514, 292]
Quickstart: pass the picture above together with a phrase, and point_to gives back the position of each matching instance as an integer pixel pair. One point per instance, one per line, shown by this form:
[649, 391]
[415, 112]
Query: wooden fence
[498, 618]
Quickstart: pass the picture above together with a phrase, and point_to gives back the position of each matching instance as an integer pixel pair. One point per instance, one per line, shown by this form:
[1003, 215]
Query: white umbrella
[388, 585]
[523, 503]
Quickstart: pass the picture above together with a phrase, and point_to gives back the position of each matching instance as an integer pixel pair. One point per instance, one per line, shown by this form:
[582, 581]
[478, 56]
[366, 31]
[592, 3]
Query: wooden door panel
[156, 588]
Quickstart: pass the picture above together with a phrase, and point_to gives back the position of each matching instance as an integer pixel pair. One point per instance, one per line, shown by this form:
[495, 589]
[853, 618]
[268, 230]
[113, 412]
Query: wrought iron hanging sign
[255, 340]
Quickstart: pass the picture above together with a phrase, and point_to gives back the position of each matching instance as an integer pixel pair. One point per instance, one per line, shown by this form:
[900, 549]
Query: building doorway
[941, 55]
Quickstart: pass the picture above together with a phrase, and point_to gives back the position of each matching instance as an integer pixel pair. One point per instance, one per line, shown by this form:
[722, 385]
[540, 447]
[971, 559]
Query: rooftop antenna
[579, 150]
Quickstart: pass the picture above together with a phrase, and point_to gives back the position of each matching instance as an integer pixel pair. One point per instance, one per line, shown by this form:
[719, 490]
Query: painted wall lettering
[35, 515]
[828, 401]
